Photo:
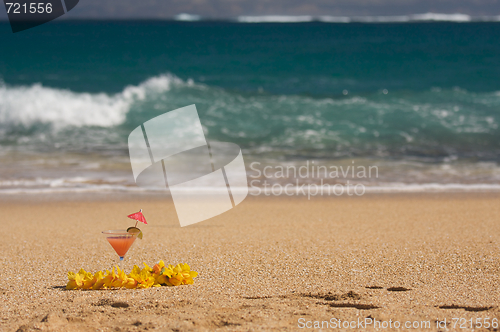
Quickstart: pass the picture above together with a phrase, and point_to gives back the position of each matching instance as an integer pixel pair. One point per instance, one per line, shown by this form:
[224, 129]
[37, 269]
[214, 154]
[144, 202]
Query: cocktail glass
[120, 240]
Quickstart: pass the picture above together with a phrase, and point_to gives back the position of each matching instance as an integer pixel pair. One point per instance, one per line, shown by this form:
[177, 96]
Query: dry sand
[262, 266]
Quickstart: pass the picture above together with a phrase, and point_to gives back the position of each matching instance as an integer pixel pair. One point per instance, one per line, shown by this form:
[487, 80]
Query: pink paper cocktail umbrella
[139, 217]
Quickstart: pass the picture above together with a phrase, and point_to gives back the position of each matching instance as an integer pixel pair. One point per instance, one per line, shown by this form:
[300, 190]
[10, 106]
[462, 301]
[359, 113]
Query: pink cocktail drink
[121, 244]
[120, 240]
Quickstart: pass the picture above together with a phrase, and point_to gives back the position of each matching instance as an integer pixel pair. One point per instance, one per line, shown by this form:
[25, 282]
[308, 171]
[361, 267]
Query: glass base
[120, 263]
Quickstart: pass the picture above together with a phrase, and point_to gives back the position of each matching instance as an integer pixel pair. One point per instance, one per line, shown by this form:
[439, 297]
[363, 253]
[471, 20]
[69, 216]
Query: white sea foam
[456, 17]
[385, 188]
[86, 189]
[381, 19]
[441, 17]
[432, 187]
[395, 188]
[414, 18]
[59, 182]
[27, 105]
[187, 17]
[275, 19]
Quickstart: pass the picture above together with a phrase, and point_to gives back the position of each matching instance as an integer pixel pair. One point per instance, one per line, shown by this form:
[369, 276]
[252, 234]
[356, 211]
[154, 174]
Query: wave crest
[29, 105]
[434, 123]
[425, 17]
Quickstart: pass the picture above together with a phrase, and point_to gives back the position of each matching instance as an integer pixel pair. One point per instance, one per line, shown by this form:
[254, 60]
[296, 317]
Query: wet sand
[271, 264]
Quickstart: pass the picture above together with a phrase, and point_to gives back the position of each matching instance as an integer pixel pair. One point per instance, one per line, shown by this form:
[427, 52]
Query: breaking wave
[29, 105]
[426, 17]
[437, 123]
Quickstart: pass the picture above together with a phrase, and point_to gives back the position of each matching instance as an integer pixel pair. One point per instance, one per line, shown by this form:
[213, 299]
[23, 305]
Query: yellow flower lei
[159, 275]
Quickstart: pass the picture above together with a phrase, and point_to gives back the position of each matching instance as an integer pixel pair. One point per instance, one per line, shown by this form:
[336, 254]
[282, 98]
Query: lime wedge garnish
[135, 230]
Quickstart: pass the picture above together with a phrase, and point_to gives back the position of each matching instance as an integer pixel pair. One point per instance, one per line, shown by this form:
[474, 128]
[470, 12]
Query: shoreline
[165, 195]
[298, 190]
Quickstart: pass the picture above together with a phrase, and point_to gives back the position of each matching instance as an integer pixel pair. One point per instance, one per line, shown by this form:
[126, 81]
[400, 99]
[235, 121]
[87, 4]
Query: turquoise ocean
[419, 100]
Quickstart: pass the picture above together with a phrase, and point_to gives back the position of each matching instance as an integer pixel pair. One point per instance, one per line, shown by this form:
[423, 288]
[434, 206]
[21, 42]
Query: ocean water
[418, 100]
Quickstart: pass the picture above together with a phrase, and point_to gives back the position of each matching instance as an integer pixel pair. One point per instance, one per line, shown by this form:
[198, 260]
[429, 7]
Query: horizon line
[247, 19]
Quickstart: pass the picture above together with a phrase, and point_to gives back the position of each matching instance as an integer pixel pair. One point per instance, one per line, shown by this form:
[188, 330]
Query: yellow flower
[99, 280]
[161, 279]
[175, 280]
[180, 274]
[157, 267]
[80, 280]
[160, 274]
[75, 281]
[187, 274]
[88, 279]
[131, 283]
[146, 267]
[163, 273]
[112, 279]
[120, 278]
[143, 277]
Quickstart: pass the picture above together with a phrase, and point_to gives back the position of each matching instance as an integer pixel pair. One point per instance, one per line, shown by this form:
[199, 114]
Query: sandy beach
[271, 264]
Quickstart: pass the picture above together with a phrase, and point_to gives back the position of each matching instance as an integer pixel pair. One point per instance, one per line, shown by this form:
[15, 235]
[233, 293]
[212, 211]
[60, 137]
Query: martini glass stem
[120, 264]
